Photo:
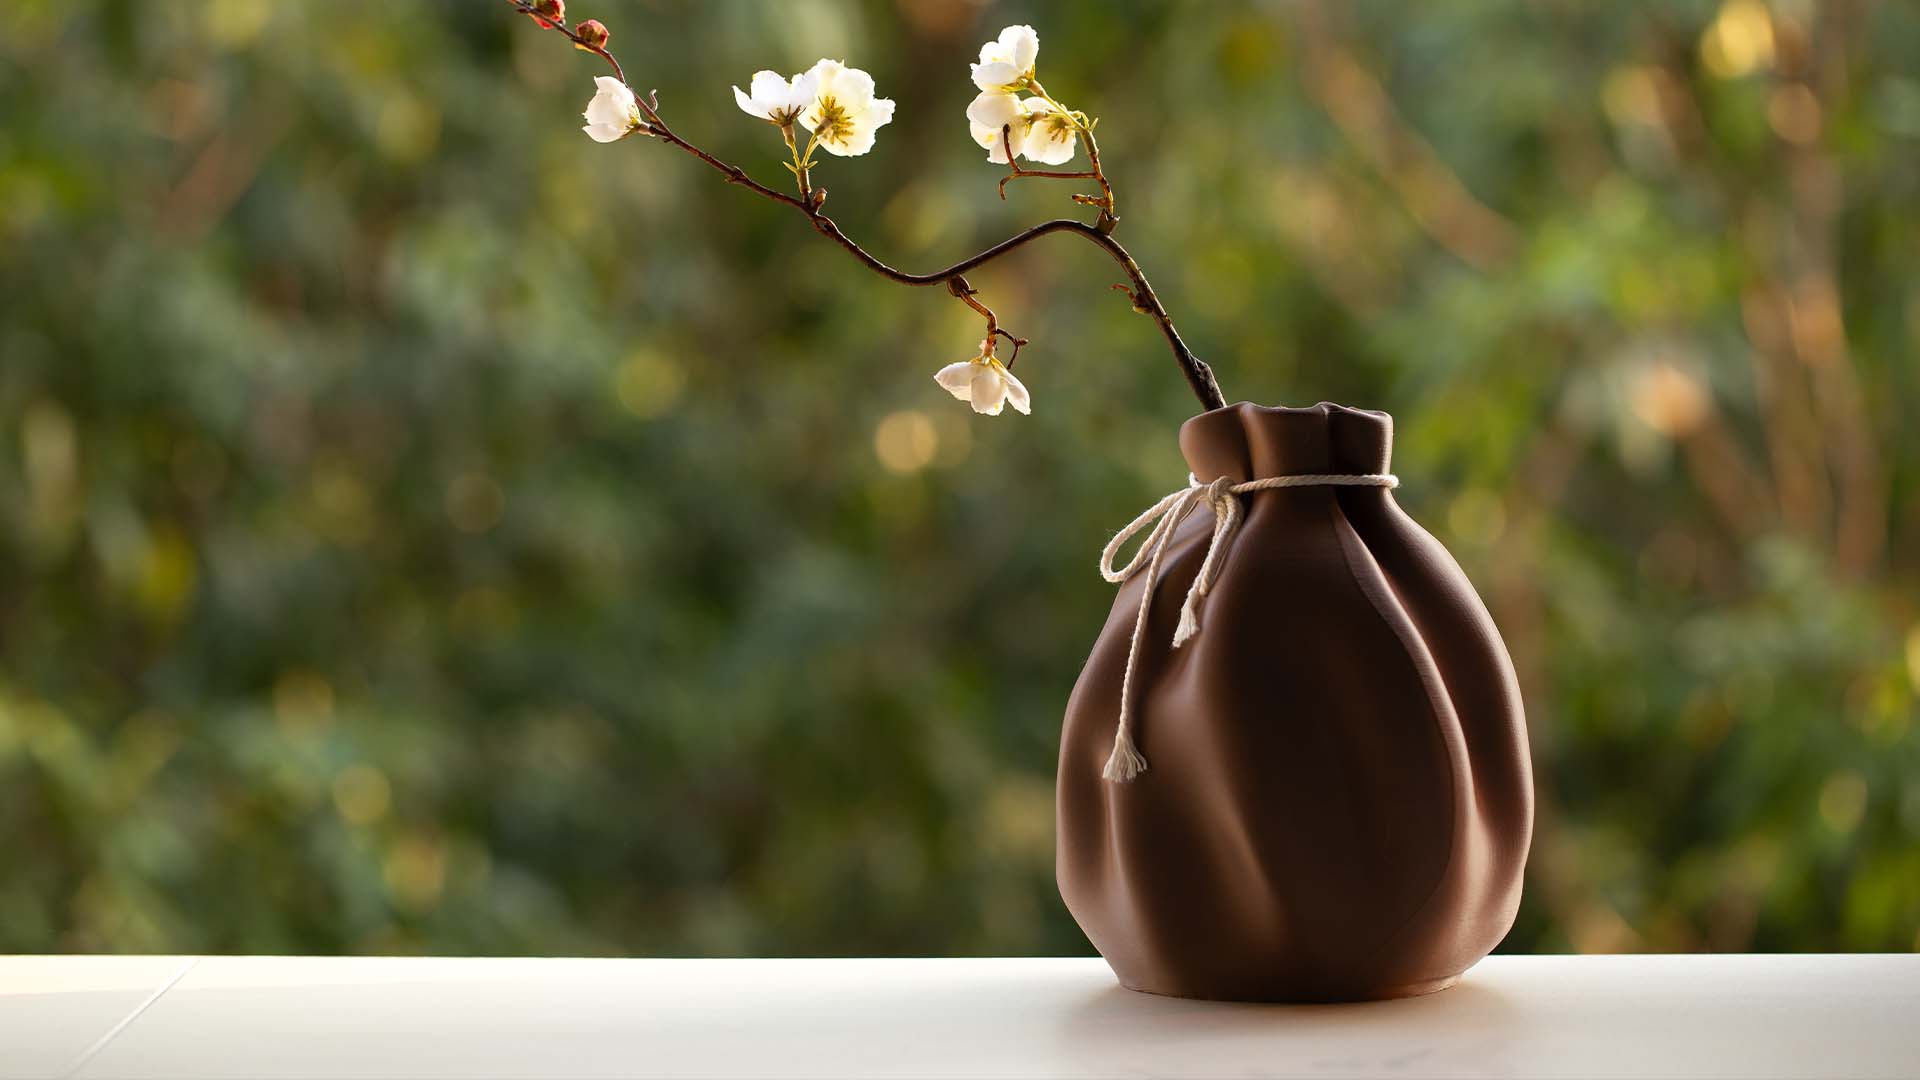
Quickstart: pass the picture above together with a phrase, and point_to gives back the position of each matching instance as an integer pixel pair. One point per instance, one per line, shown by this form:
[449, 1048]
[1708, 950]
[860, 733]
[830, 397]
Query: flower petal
[993, 108]
[605, 133]
[1022, 45]
[990, 112]
[769, 89]
[852, 140]
[1016, 393]
[1049, 146]
[995, 75]
[995, 147]
[854, 87]
[747, 105]
[612, 105]
[855, 144]
[851, 135]
[823, 74]
[850, 87]
[801, 90]
[989, 392]
[1050, 133]
[957, 379]
[600, 111]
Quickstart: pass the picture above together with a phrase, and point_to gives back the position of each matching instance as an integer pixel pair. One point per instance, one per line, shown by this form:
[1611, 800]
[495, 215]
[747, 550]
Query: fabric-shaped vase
[1337, 799]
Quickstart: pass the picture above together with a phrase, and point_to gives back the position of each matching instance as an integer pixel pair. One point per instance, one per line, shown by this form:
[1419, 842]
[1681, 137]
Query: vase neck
[1252, 442]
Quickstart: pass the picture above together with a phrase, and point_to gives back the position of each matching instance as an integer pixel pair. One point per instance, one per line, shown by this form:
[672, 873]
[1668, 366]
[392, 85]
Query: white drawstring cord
[1126, 763]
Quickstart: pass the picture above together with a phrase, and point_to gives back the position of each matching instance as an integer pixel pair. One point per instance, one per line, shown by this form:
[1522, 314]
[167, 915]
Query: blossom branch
[966, 294]
[1109, 213]
[1198, 374]
[1015, 172]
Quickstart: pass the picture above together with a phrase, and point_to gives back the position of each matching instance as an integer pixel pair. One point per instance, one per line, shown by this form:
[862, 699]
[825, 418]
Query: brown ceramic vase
[1338, 800]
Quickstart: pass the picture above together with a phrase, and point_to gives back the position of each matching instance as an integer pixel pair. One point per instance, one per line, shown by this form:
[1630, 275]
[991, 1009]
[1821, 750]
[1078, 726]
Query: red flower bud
[549, 12]
[593, 35]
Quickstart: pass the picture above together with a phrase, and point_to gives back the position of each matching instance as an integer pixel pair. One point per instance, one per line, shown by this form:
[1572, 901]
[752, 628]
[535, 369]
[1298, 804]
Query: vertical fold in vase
[1339, 799]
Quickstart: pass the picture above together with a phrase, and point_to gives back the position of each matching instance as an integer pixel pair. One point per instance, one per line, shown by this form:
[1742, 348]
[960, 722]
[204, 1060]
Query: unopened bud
[592, 34]
[549, 12]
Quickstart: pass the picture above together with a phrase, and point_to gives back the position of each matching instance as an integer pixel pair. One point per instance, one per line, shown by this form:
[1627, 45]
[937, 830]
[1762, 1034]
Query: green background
[425, 530]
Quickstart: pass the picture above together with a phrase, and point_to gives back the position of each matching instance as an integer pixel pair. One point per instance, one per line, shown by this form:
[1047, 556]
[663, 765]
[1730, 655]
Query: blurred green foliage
[423, 529]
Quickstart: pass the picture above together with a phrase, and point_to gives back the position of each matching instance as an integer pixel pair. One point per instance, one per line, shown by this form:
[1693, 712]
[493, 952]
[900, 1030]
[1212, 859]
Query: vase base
[1331, 997]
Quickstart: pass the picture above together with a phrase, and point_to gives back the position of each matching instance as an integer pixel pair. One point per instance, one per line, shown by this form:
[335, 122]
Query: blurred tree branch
[1430, 191]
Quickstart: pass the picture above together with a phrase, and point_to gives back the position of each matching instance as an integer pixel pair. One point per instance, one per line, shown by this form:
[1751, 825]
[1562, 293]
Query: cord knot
[1222, 496]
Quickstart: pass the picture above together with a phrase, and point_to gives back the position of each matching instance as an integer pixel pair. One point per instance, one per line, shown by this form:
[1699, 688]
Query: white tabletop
[1548, 1016]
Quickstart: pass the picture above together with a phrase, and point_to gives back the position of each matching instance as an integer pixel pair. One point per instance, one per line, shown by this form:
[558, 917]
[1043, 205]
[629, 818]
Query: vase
[1333, 799]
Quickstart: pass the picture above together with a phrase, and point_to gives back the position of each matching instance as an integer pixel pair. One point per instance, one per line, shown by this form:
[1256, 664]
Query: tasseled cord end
[1125, 762]
[1187, 627]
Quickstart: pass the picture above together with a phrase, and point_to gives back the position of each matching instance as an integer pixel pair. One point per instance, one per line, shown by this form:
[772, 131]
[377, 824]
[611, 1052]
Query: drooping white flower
[1007, 63]
[612, 114]
[1050, 132]
[988, 115]
[985, 383]
[844, 114]
[776, 100]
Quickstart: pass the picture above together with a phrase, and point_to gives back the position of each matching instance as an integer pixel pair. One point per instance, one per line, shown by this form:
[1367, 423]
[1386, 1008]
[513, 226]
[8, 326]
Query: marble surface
[280, 1017]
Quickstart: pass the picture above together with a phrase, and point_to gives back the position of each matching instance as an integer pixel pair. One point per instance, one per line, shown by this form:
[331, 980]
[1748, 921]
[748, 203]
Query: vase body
[1339, 798]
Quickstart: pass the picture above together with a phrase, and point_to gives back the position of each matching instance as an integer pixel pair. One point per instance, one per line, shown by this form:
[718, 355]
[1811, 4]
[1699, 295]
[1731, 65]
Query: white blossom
[989, 113]
[776, 100]
[1050, 132]
[612, 114]
[985, 383]
[844, 114]
[1039, 130]
[1007, 63]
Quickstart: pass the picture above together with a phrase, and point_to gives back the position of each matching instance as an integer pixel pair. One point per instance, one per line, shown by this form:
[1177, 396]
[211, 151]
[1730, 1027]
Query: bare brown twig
[967, 295]
[1015, 172]
[1198, 375]
[1104, 203]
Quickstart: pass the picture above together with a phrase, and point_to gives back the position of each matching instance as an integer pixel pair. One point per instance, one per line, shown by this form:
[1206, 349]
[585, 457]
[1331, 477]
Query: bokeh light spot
[1794, 113]
[168, 574]
[906, 441]
[361, 794]
[415, 870]
[1668, 400]
[1739, 41]
[235, 23]
[648, 383]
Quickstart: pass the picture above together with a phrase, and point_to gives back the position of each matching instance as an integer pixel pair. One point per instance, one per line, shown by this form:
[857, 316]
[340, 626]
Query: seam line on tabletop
[114, 1032]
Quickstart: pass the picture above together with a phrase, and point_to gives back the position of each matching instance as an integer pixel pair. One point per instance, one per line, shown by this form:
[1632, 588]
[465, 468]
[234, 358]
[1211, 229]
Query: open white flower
[989, 113]
[844, 114]
[612, 114]
[1006, 64]
[1050, 133]
[776, 100]
[985, 383]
